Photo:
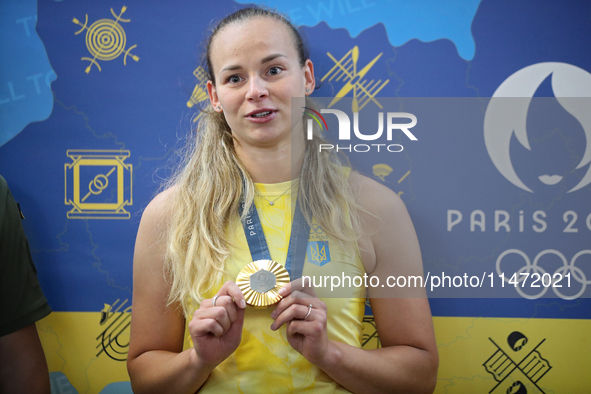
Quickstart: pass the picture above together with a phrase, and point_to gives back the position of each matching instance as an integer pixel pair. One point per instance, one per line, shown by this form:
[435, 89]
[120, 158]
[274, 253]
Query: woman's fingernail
[273, 314]
[273, 326]
[242, 304]
[282, 291]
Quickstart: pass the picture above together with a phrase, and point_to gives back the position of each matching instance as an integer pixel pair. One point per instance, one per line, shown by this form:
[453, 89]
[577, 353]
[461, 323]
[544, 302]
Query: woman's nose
[257, 89]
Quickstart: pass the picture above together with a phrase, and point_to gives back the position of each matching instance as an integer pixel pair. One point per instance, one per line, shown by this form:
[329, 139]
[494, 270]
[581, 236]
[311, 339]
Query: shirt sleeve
[21, 299]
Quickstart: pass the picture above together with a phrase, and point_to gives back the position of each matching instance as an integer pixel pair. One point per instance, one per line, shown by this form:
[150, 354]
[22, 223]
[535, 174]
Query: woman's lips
[262, 116]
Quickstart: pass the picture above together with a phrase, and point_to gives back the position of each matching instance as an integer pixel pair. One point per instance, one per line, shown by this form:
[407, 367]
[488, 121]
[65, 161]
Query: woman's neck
[272, 164]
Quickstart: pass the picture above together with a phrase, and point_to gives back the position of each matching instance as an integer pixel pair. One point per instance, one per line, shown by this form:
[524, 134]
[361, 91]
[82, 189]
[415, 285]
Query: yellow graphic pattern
[382, 171]
[401, 179]
[317, 233]
[346, 69]
[68, 339]
[98, 184]
[370, 340]
[106, 39]
[199, 92]
[114, 339]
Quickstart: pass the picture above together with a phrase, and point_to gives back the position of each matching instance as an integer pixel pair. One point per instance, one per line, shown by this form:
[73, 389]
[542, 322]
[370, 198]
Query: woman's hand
[216, 327]
[305, 317]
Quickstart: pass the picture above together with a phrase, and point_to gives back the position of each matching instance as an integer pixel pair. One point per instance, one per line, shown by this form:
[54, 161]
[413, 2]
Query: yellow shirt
[265, 362]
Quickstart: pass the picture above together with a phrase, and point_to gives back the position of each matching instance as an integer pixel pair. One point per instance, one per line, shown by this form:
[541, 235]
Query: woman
[191, 244]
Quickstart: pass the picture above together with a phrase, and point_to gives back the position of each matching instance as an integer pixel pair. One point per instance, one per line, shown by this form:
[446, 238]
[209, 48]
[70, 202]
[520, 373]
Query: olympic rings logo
[577, 273]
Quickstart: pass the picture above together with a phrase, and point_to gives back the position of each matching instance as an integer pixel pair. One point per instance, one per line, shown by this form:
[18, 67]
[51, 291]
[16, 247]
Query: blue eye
[234, 79]
[274, 70]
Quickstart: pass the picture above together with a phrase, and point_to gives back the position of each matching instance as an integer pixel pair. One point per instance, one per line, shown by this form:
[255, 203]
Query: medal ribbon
[298, 240]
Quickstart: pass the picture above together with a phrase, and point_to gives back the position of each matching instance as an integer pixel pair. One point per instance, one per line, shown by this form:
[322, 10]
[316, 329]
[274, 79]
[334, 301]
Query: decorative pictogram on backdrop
[106, 40]
[98, 184]
[346, 69]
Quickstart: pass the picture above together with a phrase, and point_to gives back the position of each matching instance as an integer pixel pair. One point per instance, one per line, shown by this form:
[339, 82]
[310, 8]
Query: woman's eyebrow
[231, 68]
[272, 57]
[265, 60]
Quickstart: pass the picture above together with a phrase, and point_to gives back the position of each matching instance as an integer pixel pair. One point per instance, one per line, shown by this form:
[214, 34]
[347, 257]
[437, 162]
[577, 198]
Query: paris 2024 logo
[507, 114]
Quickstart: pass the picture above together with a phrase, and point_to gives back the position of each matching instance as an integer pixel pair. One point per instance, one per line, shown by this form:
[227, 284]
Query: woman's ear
[309, 80]
[213, 97]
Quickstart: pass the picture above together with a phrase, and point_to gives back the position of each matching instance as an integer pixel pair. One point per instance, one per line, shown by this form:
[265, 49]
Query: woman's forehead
[257, 33]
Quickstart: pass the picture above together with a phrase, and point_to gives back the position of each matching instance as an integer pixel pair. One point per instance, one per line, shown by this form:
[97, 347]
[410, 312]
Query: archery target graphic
[105, 39]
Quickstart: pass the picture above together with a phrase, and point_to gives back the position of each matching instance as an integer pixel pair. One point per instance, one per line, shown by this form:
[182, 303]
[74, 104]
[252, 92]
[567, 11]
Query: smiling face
[257, 71]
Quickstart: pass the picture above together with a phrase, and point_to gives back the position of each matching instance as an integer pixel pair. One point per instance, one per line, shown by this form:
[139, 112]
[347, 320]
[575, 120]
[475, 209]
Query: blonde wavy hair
[211, 182]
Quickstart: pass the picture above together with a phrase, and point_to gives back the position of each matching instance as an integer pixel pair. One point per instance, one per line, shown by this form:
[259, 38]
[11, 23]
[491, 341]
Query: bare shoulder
[155, 325]
[374, 197]
[402, 315]
[160, 208]
[387, 226]
[383, 220]
[152, 233]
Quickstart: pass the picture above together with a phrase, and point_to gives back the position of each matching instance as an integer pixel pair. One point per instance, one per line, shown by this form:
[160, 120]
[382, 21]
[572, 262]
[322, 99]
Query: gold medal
[260, 282]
